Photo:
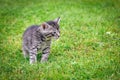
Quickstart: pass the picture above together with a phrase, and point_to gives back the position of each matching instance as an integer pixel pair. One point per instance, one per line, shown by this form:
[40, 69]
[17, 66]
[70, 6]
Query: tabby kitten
[38, 38]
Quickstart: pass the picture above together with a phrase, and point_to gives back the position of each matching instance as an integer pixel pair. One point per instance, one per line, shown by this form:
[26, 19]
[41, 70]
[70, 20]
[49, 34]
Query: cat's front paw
[43, 60]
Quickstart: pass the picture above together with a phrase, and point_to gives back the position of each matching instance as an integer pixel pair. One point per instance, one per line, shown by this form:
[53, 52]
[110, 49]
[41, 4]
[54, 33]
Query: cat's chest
[42, 45]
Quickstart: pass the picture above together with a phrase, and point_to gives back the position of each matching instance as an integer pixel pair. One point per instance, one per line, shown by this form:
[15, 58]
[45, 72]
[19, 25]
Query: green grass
[88, 49]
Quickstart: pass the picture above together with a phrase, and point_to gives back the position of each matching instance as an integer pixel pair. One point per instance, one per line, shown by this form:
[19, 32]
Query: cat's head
[51, 29]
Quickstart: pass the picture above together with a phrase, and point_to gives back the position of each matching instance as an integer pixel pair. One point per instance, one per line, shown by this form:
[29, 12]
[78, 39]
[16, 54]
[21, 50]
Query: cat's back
[30, 30]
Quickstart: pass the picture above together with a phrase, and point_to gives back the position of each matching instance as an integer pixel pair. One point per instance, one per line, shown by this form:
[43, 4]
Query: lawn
[88, 49]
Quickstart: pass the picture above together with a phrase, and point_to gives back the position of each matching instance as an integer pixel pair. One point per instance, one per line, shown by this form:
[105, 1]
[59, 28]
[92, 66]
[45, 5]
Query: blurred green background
[88, 49]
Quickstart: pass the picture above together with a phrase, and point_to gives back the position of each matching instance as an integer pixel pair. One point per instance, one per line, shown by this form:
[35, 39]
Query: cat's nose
[58, 35]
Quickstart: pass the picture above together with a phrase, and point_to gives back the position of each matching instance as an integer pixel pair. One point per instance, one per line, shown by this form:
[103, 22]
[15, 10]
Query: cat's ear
[57, 20]
[44, 26]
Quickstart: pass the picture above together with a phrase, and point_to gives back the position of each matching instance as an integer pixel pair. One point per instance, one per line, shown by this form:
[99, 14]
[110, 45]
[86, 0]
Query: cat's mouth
[56, 37]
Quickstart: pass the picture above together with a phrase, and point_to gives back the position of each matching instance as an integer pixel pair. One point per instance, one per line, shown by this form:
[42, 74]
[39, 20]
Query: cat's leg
[25, 52]
[45, 54]
[33, 57]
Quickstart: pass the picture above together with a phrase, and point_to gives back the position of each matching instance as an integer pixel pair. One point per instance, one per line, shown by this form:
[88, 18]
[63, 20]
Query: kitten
[38, 37]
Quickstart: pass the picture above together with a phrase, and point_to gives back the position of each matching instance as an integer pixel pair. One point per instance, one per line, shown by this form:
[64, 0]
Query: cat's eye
[54, 32]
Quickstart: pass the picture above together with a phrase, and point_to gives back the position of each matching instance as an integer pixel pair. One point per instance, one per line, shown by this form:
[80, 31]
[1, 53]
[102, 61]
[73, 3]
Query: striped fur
[38, 38]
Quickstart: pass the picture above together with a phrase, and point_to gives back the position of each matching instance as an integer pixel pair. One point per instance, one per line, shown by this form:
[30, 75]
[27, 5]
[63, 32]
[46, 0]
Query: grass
[88, 49]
